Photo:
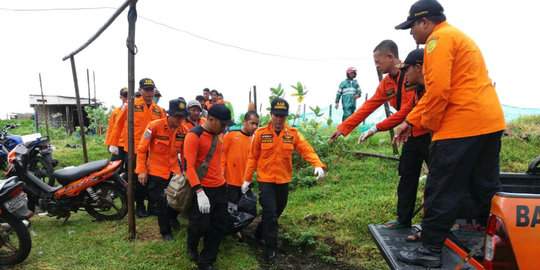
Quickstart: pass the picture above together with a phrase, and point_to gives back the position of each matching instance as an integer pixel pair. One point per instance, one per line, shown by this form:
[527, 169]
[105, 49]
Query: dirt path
[288, 256]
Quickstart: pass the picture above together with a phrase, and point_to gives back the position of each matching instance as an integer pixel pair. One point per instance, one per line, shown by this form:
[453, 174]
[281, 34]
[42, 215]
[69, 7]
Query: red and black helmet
[351, 69]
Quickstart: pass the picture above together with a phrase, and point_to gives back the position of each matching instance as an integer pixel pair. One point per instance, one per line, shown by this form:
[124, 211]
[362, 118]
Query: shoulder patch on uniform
[147, 134]
[156, 111]
[390, 93]
[410, 87]
[431, 45]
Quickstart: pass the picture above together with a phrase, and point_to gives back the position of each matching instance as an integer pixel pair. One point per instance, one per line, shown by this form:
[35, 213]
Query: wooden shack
[61, 111]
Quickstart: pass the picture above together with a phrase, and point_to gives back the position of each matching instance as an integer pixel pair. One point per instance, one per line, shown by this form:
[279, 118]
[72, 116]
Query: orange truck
[510, 240]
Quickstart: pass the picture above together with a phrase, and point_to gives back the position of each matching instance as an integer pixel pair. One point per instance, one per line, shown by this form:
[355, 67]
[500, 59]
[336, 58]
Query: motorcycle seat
[68, 175]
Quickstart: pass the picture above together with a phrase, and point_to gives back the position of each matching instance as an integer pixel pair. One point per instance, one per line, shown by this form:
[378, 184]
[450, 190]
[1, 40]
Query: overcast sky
[184, 46]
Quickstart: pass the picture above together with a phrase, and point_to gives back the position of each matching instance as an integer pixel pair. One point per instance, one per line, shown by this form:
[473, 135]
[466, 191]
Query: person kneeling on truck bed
[462, 110]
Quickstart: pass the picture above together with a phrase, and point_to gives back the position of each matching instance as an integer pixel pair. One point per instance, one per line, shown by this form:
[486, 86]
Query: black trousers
[413, 153]
[455, 166]
[157, 203]
[122, 155]
[210, 227]
[273, 199]
[140, 191]
[234, 193]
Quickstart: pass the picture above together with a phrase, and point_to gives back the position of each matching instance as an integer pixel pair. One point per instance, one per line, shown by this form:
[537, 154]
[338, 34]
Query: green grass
[326, 219]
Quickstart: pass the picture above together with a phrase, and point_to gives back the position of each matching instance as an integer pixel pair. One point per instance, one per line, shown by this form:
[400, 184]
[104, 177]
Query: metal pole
[388, 113]
[79, 108]
[132, 18]
[44, 108]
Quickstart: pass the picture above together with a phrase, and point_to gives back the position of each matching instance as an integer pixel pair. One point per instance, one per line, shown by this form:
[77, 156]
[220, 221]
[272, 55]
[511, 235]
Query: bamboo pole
[44, 108]
[79, 108]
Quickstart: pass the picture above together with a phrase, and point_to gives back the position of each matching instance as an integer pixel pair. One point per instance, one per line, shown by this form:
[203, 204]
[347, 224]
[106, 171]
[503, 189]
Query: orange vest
[271, 154]
[386, 91]
[144, 114]
[236, 146]
[157, 152]
[460, 100]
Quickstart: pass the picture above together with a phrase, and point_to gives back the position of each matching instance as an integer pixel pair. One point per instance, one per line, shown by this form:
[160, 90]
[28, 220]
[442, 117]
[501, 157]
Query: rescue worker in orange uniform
[392, 88]
[146, 110]
[462, 110]
[157, 162]
[110, 127]
[271, 155]
[195, 118]
[208, 216]
[236, 144]
[206, 95]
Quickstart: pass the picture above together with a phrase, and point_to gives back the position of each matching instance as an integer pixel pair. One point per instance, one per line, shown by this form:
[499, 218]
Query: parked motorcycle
[15, 241]
[94, 187]
[41, 162]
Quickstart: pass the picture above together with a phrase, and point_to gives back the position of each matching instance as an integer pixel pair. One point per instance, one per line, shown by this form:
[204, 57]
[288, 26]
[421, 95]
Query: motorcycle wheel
[15, 241]
[111, 204]
[42, 169]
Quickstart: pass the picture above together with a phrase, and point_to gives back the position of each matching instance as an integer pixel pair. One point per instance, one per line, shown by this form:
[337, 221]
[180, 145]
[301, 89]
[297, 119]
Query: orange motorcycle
[95, 187]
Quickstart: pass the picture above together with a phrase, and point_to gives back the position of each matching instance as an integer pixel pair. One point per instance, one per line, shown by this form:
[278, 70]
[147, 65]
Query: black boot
[193, 254]
[140, 211]
[270, 254]
[423, 256]
[175, 224]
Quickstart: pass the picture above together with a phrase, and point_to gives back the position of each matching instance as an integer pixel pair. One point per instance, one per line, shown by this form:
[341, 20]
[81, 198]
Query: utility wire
[191, 34]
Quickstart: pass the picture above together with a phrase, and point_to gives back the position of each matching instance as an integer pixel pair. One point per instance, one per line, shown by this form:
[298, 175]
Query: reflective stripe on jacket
[347, 90]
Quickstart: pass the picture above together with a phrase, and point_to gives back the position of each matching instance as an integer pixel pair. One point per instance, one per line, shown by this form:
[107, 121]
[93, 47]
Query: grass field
[326, 220]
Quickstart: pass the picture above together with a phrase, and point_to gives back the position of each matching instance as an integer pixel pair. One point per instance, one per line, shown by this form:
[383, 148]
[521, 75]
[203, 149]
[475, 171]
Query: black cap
[156, 93]
[421, 9]
[222, 113]
[137, 94]
[279, 106]
[414, 57]
[124, 92]
[146, 83]
[177, 107]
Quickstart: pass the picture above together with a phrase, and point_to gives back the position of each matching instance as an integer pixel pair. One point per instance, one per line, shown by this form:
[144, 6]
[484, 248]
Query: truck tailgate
[390, 242]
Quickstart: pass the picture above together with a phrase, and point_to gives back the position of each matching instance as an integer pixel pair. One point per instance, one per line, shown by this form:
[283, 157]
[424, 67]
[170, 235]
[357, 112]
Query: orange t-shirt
[196, 147]
[460, 99]
[189, 125]
[236, 146]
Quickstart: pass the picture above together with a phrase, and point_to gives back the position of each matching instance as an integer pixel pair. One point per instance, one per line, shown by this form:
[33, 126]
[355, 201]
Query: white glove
[368, 133]
[319, 172]
[204, 203]
[245, 186]
[113, 150]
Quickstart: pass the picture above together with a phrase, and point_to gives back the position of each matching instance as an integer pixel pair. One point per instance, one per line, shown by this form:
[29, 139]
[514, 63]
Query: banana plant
[276, 93]
[300, 93]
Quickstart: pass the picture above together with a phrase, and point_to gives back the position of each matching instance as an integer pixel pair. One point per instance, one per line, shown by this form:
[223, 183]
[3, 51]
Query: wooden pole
[88, 82]
[249, 95]
[255, 97]
[44, 108]
[132, 18]
[79, 108]
[358, 153]
[95, 98]
[388, 113]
